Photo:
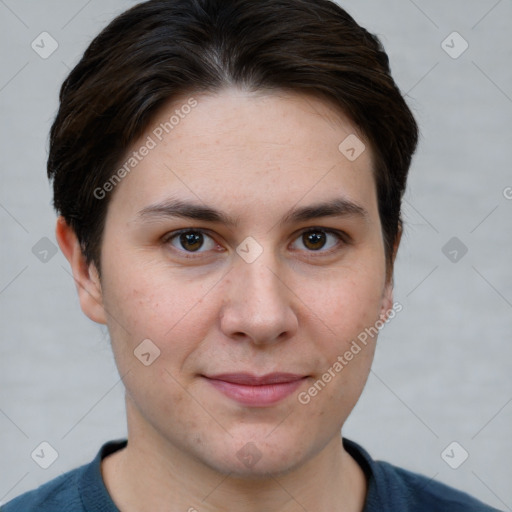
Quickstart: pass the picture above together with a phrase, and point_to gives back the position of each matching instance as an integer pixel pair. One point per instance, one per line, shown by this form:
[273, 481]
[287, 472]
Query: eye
[191, 241]
[317, 240]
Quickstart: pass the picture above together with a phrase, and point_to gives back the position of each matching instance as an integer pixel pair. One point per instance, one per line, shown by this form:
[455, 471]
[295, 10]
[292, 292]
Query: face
[248, 249]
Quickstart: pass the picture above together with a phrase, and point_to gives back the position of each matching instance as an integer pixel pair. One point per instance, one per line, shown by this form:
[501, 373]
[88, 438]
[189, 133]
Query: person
[228, 177]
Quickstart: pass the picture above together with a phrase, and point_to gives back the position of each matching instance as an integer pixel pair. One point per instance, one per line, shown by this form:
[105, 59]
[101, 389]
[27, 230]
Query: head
[232, 192]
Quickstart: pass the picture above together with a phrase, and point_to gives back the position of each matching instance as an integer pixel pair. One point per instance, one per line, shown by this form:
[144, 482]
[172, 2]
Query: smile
[254, 391]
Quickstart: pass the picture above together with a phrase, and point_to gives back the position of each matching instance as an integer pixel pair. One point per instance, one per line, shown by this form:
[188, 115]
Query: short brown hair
[160, 49]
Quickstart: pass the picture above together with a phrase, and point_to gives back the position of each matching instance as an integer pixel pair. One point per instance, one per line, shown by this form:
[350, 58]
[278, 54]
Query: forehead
[241, 148]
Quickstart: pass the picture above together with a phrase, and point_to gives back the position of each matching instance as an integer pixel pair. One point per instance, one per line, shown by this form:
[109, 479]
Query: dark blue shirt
[390, 489]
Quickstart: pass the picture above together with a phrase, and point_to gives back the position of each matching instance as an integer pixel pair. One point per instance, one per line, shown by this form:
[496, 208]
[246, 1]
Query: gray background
[442, 372]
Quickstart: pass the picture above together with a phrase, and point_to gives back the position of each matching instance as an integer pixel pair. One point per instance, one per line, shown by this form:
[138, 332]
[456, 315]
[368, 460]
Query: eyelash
[343, 239]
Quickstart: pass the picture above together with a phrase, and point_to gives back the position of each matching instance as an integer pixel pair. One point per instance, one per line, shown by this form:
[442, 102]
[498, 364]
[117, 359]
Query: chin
[256, 460]
[261, 470]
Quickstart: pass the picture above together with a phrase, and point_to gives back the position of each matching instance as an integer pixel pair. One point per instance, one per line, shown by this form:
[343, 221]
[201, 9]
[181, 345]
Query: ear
[387, 298]
[85, 275]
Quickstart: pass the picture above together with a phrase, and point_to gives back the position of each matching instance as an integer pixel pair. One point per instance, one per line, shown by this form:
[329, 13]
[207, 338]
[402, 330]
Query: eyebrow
[339, 207]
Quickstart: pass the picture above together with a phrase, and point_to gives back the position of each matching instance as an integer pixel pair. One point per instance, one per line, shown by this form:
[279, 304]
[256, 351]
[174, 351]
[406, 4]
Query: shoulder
[417, 492]
[391, 488]
[51, 496]
[79, 490]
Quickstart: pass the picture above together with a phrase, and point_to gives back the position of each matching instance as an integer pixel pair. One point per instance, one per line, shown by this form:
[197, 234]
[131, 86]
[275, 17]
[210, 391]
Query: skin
[296, 308]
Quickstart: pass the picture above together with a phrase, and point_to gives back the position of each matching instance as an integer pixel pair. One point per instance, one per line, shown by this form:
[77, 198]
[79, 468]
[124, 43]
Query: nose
[258, 305]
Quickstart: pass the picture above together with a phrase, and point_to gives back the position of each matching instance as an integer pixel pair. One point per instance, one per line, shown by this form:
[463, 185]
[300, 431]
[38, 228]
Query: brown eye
[191, 241]
[317, 240]
[314, 240]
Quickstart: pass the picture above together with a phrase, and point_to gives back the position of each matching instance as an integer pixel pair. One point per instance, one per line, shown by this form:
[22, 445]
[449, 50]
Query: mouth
[256, 391]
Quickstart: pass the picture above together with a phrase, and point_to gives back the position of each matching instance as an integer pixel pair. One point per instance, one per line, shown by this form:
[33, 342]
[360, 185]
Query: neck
[150, 474]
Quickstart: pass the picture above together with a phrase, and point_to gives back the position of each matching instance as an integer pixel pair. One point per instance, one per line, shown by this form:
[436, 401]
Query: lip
[256, 391]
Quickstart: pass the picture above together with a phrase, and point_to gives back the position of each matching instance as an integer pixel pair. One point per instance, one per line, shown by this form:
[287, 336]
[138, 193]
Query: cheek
[345, 302]
[176, 318]
[150, 304]
[345, 316]
[346, 309]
